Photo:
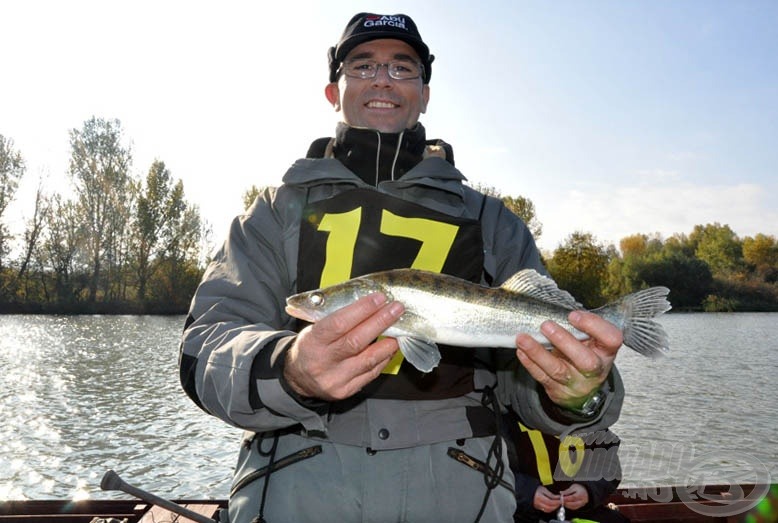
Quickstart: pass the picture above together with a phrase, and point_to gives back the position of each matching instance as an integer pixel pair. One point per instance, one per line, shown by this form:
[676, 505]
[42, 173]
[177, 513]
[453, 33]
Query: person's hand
[335, 358]
[575, 496]
[575, 369]
[545, 500]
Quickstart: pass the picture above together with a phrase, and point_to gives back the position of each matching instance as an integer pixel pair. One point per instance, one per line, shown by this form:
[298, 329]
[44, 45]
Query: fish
[444, 309]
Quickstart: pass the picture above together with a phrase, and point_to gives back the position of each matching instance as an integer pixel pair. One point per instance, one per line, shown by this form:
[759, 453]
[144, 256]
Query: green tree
[689, 279]
[63, 250]
[32, 234]
[623, 269]
[151, 216]
[99, 167]
[12, 168]
[176, 268]
[580, 266]
[719, 247]
[681, 244]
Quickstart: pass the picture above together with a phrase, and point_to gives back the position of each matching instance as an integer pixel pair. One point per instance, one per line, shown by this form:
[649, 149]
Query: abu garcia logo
[379, 21]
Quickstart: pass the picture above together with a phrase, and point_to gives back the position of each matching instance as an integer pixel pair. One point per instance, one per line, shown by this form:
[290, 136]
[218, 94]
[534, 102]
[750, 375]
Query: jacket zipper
[277, 465]
[473, 463]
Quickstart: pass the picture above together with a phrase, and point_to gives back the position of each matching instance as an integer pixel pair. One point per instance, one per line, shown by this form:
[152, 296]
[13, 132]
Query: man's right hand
[545, 500]
[335, 357]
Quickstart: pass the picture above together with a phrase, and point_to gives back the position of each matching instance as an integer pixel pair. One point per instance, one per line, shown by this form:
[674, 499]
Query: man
[338, 427]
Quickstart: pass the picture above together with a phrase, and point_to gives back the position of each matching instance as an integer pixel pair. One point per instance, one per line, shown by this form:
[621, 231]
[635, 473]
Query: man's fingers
[335, 357]
[365, 332]
[352, 328]
[608, 337]
[367, 366]
[580, 356]
[340, 322]
[354, 373]
[542, 365]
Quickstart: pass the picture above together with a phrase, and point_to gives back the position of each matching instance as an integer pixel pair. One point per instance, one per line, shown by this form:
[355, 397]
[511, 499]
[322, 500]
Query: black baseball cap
[370, 26]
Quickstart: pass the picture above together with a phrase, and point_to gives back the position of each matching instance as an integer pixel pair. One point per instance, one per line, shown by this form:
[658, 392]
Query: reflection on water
[87, 393]
[707, 413]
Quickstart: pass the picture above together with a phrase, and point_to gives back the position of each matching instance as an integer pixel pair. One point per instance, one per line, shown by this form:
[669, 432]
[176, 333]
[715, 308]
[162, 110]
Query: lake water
[85, 394]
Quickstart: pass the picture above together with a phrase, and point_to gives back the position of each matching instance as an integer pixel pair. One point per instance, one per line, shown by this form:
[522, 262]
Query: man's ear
[425, 97]
[332, 92]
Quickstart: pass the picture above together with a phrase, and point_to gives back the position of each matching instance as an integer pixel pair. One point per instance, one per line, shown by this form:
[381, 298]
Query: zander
[444, 309]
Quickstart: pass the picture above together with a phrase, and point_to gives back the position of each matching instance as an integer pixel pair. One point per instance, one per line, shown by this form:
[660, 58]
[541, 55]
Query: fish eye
[317, 299]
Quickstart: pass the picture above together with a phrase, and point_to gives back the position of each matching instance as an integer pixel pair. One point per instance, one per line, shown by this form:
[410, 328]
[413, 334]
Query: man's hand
[335, 358]
[575, 369]
[575, 496]
[545, 500]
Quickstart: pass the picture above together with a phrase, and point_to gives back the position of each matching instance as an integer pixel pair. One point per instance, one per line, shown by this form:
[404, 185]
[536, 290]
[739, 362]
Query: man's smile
[380, 104]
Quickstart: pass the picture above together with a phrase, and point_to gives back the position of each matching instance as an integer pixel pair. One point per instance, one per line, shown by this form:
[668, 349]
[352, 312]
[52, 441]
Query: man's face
[380, 103]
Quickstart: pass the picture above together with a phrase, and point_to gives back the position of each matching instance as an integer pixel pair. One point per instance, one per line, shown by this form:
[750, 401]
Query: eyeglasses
[398, 69]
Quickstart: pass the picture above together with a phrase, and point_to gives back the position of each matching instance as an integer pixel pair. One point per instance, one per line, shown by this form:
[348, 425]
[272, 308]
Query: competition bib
[362, 231]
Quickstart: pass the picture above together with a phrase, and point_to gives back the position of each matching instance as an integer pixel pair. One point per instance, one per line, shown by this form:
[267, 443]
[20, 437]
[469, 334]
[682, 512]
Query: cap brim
[349, 44]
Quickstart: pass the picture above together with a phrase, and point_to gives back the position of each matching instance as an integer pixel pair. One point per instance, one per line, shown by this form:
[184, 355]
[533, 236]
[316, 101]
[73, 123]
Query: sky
[615, 118]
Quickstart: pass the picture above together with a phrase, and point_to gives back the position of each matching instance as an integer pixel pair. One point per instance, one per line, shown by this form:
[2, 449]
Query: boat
[102, 511]
[686, 504]
[730, 503]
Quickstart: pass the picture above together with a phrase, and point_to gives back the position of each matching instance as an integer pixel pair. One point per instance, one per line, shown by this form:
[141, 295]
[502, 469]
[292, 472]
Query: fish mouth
[301, 314]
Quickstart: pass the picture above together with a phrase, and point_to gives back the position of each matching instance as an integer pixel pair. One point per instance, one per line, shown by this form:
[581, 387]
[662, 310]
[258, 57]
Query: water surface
[83, 394]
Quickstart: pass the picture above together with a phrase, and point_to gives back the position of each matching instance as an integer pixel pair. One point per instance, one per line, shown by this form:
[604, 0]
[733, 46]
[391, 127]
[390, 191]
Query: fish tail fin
[641, 333]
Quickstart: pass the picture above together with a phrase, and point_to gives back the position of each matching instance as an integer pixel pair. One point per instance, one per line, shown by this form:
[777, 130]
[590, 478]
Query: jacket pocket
[475, 464]
[278, 464]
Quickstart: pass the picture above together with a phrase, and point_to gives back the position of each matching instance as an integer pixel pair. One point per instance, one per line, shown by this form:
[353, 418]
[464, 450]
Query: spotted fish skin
[444, 309]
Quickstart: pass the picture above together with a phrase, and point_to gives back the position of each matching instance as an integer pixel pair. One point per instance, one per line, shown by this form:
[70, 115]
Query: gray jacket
[236, 335]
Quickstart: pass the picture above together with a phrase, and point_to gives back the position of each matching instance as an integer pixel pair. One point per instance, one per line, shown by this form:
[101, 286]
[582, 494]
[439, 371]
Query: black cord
[492, 475]
[272, 454]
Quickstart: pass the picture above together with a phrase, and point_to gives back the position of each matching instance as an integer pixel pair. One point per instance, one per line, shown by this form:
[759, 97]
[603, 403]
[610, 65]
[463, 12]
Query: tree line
[710, 269]
[125, 244]
[118, 244]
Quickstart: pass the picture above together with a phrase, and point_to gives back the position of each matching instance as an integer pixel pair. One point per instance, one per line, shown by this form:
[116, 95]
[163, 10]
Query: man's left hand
[574, 370]
[575, 496]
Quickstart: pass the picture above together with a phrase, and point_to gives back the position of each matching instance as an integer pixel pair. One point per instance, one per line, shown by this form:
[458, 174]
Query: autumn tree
[761, 253]
[99, 167]
[635, 245]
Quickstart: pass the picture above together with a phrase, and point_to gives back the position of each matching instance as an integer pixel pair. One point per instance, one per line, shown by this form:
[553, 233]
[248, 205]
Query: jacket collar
[376, 156]
[424, 164]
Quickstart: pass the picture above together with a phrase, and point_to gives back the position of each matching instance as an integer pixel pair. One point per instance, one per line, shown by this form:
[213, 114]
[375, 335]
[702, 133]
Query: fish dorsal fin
[530, 283]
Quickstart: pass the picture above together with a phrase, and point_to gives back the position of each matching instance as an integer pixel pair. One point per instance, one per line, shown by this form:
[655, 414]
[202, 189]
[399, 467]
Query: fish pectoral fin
[414, 336]
[424, 355]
